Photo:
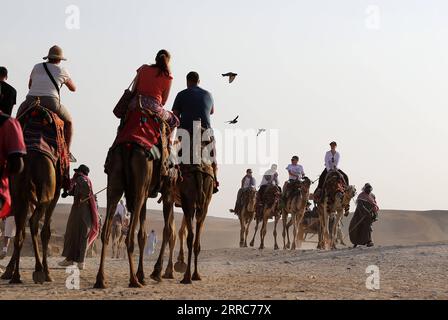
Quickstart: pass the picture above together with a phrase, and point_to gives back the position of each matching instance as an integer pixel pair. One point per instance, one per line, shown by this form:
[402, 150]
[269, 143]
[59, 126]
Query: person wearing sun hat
[46, 89]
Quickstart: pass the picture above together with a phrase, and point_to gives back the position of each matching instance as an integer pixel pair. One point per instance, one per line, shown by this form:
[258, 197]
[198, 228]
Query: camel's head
[252, 198]
[349, 194]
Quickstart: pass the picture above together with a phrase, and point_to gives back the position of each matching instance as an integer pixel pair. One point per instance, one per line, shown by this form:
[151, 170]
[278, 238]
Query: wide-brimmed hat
[83, 169]
[55, 52]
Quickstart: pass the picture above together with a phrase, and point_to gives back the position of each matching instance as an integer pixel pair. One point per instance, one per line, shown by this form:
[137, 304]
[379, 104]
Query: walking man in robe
[83, 225]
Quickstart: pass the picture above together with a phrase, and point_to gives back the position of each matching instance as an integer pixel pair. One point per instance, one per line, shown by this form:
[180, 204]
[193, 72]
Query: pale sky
[315, 70]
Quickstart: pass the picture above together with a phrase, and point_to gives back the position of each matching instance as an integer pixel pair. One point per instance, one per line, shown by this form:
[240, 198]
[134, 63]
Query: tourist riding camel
[333, 201]
[332, 158]
[295, 172]
[46, 81]
[247, 183]
[135, 163]
[366, 214]
[8, 94]
[195, 104]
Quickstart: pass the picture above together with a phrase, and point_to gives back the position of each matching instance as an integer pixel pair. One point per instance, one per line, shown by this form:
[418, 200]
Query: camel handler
[46, 81]
[82, 225]
[195, 104]
[366, 214]
[12, 151]
[332, 158]
[248, 182]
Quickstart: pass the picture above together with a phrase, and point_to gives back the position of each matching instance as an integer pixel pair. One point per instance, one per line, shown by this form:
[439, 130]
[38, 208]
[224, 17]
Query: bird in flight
[260, 131]
[231, 76]
[234, 121]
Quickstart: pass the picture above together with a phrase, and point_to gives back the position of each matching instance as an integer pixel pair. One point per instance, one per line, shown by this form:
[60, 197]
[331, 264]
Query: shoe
[81, 265]
[370, 244]
[2, 255]
[65, 263]
[72, 158]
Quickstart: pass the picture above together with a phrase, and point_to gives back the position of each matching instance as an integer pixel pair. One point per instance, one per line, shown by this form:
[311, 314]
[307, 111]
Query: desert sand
[411, 252]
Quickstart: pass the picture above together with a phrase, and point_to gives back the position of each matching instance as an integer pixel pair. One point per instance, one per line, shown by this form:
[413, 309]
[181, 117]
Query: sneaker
[370, 244]
[65, 263]
[81, 265]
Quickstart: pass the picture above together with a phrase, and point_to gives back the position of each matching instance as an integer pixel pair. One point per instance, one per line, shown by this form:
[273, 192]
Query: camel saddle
[43, 132]
[268, 195]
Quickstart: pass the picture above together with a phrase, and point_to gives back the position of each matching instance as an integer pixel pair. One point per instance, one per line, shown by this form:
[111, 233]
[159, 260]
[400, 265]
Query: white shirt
[249, 182]
[41, 85]
[332, 162]
[296, 169]
[270, 177]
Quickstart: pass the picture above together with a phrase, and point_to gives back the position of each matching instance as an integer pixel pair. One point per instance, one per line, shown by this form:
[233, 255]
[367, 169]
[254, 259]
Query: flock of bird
[232, 76]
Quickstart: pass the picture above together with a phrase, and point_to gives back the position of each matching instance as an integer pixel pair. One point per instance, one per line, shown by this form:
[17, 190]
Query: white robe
[151, 245]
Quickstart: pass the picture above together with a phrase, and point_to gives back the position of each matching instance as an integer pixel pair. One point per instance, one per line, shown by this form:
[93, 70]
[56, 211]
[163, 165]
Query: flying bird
[231, 76]
[234, 121]
[260, 131]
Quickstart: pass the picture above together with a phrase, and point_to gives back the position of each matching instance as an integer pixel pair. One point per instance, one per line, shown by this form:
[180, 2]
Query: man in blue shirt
[195, 104]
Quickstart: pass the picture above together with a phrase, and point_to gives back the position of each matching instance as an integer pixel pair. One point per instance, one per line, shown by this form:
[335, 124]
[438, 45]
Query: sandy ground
[406, 272]
[411, 253]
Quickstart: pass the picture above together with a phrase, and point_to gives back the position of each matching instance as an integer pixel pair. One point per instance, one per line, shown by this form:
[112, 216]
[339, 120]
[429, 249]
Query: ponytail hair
[162, 59]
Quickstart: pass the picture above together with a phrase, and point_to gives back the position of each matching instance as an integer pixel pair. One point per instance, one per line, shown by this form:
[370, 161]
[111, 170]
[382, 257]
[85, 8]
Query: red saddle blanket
[139, 128]
[43, 132]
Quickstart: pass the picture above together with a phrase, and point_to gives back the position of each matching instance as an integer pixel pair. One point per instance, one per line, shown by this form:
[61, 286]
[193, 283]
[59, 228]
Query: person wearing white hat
[45, 83]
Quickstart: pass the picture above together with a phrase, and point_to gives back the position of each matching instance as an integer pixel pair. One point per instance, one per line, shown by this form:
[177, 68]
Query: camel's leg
[288, 226]
[169, 271]
[46, 235]
[189, 216]
[334, 228]
[39, 211]
[12, 271]
[257, 222]
[142, 236]
[242, 227]
[277, 218]
[264, 228]
[300, 229]
[167, 235]
[114, 194]
[130, 240]
[180, 265]
[114, 241]
[285, 221]
[248, 223]
[200, 219]
[321, 243]
[326, 233]
[294, 231]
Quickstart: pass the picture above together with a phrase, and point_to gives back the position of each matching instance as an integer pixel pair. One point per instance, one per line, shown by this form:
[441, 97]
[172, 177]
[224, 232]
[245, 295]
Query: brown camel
[295, 199]
[130, 171]
[270, 209]
[248, 201]
[43, 181]
[334, 198]
[196, 190]
[169, 233]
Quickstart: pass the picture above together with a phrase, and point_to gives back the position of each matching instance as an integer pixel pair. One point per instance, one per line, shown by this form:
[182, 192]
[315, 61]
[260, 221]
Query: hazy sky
[317, 71]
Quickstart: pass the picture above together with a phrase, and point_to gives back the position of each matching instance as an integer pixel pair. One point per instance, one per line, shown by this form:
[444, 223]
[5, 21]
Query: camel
[44, 182]
[248, 201]
[333, 201]
[169, 234]
[295, 197]
[132, 172]
[270, 208]
[43, 179]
